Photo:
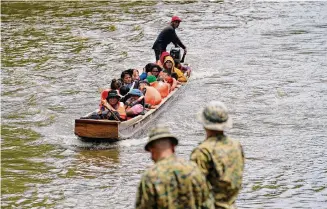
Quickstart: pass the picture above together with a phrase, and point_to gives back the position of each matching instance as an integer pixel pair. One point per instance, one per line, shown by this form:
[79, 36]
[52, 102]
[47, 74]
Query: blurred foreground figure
[171, 182]
[219, 157]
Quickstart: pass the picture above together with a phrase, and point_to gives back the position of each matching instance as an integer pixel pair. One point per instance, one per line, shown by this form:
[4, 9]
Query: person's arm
[107, 105]
[180, 74]
[202, 158]
[145, 197]
[202, 191]
[177, 41]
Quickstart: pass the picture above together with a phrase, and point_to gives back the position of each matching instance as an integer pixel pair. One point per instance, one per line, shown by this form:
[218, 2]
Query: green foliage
[112, 28]
[137, 3]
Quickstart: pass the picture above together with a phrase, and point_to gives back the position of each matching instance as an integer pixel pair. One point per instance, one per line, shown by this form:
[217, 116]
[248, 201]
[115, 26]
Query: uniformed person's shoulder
[180, 164]
[233, 142]
[154, 170]
[149, 172]
[185, 164]
[168, 165]
[202, 151]
[206, 145]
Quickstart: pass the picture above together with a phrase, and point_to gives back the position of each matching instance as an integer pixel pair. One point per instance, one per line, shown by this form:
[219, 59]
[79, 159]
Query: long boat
[109, 130]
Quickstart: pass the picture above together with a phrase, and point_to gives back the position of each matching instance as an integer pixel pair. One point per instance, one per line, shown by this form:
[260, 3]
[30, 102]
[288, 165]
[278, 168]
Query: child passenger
[134, 104]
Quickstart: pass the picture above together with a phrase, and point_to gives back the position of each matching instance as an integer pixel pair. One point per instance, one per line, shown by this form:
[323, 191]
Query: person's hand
[131, 104]
[154, 107]
[185, 50]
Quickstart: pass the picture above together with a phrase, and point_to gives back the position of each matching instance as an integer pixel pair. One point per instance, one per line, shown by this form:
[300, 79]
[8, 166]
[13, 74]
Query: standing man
[166, 36]
[171, 182]
[220, 158]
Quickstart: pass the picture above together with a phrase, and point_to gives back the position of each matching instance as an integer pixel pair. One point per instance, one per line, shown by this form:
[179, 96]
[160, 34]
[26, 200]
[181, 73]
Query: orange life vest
[121, 110]
[152, 96]
[163, 89]
[104, 95]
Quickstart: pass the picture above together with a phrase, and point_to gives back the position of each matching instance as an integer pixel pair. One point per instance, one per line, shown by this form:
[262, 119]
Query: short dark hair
[156, 66]
[124, 90]
[130, 71]
[174, 75]
[148, 67]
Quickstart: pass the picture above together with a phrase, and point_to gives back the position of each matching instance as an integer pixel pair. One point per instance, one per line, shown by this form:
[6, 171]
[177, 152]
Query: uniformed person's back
[171, 182]
[219, 157]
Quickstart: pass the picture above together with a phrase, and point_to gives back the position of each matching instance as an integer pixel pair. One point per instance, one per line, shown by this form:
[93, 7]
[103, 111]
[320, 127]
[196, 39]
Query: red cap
[175, 18]
[163, 55]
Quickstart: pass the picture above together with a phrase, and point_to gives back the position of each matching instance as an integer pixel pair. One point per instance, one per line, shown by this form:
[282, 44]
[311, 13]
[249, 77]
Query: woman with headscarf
[169, 68]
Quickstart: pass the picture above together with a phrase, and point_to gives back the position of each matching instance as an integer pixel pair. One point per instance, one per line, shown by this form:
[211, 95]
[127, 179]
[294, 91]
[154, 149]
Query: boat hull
[96, 129]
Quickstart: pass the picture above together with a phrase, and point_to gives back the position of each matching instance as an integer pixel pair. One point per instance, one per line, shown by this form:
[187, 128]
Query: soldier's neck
[164, 154]
[211, 133]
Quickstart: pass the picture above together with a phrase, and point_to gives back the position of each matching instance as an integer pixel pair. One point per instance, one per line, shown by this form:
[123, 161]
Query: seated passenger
[126, 77]
[169, 68]
[134, 104]
[155, 70]
[115, 85]
[152, 96]
[162, 58]
[123, 92]
[162, 87]
[185, 69]
[152, 80]
[115, 110]
[136, 75]
[146, 70]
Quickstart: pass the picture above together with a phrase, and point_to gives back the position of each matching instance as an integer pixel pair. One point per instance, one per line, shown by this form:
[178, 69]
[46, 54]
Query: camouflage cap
[160, 132]
[214, 116]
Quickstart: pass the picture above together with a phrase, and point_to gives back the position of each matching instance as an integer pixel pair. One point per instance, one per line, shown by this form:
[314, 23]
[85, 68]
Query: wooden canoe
[108, 130]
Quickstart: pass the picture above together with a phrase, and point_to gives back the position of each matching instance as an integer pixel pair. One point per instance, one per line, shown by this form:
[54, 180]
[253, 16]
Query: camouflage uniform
[174, 183]
[221, 160]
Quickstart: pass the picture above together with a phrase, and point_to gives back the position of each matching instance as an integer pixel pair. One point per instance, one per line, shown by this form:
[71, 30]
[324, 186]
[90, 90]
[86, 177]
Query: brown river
[266, 60]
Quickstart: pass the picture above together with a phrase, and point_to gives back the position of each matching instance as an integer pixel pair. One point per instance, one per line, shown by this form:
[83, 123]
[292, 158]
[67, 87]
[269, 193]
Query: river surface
[266, 60]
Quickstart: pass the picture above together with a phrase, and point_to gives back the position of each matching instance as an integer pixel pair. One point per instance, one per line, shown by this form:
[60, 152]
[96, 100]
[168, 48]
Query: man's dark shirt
[167, 36]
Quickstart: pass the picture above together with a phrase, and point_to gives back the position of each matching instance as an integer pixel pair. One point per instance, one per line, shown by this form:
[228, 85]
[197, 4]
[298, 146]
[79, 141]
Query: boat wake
[133, 142]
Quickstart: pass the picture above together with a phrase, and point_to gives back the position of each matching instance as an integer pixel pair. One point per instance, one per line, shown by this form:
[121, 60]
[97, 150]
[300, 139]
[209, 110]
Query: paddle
[113, 114]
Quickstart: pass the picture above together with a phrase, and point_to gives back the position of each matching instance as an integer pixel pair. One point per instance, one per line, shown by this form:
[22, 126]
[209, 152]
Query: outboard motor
[175, 53]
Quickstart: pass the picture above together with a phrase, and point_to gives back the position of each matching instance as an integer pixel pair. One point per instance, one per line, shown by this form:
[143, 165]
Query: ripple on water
[265, 60]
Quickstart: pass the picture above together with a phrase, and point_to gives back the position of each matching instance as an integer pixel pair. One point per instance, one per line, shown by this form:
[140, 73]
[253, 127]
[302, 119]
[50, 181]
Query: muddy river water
[266, 60]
